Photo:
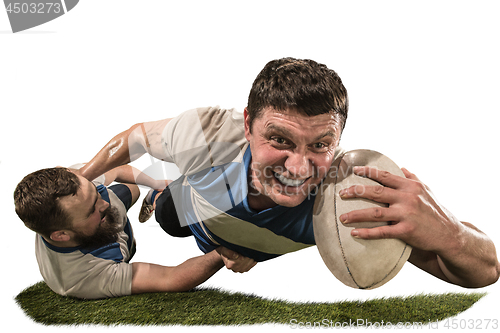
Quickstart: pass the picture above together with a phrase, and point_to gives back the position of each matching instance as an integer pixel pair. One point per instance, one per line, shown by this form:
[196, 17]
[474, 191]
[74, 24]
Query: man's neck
[61, 244]
[257, 201]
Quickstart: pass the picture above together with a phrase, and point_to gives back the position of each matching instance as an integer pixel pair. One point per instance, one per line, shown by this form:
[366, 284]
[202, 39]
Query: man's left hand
[413, 214]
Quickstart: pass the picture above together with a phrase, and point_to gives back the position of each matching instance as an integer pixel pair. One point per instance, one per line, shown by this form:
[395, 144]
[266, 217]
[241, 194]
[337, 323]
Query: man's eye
[321, 147]
[279, 140]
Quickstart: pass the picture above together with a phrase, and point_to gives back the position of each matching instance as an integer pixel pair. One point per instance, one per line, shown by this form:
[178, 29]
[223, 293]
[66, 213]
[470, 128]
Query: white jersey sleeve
[205, 137]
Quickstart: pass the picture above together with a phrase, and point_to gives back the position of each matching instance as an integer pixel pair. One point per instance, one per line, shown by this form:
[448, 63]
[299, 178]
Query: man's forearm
[473, 262]
[120, 150]
[129, 174]
[195, 271]
[186, 276]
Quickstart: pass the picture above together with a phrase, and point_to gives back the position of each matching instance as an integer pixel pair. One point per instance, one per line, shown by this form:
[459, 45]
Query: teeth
[288, 181]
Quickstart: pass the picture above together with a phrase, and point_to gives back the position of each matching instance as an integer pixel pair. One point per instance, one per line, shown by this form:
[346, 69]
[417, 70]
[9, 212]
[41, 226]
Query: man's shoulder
[96, 273]
[204, 137]
[217, 117]
[210, 121]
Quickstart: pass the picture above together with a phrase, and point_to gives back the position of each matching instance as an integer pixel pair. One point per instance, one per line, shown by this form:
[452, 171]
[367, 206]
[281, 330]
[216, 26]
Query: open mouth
[289, 182]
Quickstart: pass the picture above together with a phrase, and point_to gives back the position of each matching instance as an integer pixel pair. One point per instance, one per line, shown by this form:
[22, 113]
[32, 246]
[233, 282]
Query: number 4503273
[33, 8]
[477, 324]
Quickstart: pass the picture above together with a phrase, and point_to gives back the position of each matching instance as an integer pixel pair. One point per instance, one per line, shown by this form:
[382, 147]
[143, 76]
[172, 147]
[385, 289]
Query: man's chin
[288, 196]
[287, 199]
[106, 233]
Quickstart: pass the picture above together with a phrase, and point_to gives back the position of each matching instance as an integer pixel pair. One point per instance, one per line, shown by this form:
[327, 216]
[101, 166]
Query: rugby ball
[358, 263]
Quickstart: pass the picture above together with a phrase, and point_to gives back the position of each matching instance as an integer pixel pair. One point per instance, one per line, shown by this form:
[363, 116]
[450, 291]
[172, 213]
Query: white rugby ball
[358, 263]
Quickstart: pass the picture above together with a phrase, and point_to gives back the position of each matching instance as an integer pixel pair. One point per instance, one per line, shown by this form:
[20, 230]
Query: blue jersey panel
[225, 187]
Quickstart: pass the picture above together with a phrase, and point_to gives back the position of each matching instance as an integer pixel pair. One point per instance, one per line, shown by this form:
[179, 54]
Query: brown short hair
[36, 199]
[303, 85]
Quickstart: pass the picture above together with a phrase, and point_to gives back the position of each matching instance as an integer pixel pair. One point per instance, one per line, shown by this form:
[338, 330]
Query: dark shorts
[123, 193]
[166, 216]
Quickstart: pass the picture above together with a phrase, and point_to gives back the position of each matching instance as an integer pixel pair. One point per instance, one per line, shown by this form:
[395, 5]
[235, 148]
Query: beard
[106, 233]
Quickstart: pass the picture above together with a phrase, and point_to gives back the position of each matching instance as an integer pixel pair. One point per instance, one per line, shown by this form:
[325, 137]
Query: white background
[422, 77]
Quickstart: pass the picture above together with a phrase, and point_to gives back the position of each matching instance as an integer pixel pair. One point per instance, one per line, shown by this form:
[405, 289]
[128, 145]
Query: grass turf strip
[216, 307]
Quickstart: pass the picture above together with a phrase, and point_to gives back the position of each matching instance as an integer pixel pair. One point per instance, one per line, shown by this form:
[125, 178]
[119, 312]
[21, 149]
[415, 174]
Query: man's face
[291, 154]
[94, 221]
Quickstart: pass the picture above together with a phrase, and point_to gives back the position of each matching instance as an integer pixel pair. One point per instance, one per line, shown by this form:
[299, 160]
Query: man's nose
[103, 205]
[298, 165]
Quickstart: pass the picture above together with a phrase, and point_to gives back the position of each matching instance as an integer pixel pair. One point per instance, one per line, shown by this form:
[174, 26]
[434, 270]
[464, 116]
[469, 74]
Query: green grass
[216, 307]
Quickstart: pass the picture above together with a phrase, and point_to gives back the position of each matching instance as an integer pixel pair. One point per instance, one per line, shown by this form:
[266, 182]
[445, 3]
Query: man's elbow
[496, 273]
[135, 138]
[489, 276]
[492, 276]
[493, 273]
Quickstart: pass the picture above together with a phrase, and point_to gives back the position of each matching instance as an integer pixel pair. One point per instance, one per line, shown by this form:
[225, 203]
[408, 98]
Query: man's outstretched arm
[129, 175]
[191, 273]
[452, 250]
[127, 146]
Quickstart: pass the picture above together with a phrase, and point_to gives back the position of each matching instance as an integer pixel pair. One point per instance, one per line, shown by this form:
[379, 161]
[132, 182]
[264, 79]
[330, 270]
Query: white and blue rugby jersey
[91, 273]
[209, 147]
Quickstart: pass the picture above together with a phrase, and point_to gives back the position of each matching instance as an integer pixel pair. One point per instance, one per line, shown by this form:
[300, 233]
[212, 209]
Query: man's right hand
[234, 261]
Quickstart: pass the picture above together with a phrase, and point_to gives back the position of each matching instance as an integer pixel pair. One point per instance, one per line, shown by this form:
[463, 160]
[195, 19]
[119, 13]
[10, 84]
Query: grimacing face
[94, 221]
[291, 154]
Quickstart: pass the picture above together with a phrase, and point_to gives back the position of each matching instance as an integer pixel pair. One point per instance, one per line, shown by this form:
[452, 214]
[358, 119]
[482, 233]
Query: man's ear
[247, 124]
[60, 236]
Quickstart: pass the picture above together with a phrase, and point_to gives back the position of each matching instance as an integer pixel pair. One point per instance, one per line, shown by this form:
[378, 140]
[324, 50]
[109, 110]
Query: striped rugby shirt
[91, 273]
[209, 147]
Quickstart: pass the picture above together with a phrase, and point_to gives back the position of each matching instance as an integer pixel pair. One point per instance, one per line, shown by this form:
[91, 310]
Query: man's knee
[166, 216]
[134, 191]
